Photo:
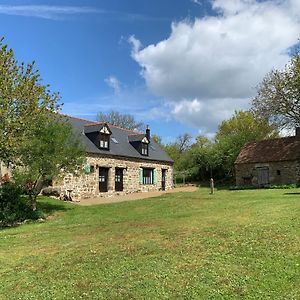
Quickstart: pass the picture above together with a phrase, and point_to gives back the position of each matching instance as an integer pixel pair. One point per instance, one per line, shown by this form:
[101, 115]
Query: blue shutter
[141, 176]
[154, 176]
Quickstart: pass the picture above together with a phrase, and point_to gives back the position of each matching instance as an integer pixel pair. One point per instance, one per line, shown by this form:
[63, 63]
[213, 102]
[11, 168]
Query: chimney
[148, 132]
[298, 133]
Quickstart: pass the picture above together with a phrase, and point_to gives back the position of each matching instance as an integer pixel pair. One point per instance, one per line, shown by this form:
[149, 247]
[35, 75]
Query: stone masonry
[284, 172]
[87, 185]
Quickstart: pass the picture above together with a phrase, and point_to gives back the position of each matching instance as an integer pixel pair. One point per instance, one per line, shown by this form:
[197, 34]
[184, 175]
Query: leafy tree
[23, 101]
[243, 127]
[278, 96]
[33, 137]
[122, 120]
[52, 151]
[157, 139]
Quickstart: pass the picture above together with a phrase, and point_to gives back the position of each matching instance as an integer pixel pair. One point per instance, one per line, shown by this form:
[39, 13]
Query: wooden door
[163, 179]
[103, 180]
[263, 176]
[119, 180]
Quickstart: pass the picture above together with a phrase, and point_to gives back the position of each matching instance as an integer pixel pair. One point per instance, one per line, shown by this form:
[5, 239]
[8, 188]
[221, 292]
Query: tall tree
[23, 101]
[183, 142]
[32, 135]
[126, 121]
[278, 96]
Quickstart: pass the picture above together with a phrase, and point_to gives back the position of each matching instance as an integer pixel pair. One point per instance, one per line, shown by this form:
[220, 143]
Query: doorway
[119, 179]
[163, 179]
[262, 176]
[103, 180]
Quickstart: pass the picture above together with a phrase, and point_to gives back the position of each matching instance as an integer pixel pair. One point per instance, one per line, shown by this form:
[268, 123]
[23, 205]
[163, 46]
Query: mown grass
[231, 245]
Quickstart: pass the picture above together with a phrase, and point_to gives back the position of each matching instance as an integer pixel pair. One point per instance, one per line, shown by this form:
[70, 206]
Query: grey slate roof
[122, 136]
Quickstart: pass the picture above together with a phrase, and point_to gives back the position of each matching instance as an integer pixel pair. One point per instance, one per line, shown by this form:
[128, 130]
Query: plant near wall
[34, 139]
[52, 152]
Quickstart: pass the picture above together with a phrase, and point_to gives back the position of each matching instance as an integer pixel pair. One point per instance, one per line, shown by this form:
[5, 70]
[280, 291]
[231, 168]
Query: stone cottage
[274, 161]
[119, 161]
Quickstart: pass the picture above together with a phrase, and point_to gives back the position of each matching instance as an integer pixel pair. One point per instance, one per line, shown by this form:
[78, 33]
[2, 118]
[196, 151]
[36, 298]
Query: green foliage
[13, 206]
[33, 137]
[243, 127]
[278, 96]
[204, 158]
[157, 139]
[24, 101]
[52, 151]
[273, 186]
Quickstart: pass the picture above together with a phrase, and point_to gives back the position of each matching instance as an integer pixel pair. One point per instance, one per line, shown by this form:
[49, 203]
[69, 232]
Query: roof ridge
[95, 123]
[112, 125]
[140, 133]
[63, 114]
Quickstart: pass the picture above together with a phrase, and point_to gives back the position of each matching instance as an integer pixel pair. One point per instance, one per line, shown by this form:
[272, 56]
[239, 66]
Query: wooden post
[212, 186]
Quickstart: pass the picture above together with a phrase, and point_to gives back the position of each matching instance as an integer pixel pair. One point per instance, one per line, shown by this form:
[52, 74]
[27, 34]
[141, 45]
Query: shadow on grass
[49, 208]
[292, 193]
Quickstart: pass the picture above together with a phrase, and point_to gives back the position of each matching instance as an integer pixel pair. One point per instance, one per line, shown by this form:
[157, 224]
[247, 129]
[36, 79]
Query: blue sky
[179, 66]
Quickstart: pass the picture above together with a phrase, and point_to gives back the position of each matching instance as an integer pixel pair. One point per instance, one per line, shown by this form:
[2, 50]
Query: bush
[252, 187]
[14, 207]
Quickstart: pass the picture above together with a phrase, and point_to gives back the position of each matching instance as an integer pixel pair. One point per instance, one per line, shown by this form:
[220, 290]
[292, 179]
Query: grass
[231, 245]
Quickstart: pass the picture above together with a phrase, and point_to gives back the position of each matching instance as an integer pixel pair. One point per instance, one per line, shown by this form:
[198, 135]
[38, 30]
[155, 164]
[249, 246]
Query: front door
[262, 176]
[103, 180]
[163, 179]
[119, 180]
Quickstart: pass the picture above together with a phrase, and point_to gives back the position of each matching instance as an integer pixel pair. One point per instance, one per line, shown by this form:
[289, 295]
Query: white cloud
[45, 11]
[197, 2]
[136, 45]
[205, 114]
[59, 12]
[214, 63]
[114, 83]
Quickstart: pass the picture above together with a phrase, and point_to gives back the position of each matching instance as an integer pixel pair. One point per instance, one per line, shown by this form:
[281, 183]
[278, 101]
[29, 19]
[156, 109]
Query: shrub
[251, 187]
[14, 207]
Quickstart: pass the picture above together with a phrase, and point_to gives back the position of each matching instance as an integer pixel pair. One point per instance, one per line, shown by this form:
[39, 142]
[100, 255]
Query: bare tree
[126, 121]
[278, 96]
[183, 142]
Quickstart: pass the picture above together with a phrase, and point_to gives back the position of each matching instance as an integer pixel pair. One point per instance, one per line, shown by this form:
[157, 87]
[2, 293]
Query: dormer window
[145, 149]
[145, 146]
[104, 141]
[104, 137]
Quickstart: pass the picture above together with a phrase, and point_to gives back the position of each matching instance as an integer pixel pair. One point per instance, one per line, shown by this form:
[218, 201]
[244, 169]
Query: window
[278, 172]
[104, 141]
[144, 149]
[148, 176]
[114, 140]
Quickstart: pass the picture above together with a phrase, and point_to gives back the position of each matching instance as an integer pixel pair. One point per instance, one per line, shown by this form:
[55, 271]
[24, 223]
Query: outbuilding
[273, 161]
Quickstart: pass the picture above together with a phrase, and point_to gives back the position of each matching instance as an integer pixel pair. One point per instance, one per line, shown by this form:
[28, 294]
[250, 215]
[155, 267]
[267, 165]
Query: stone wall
[279, 173]
[87, 185]
[4, 170]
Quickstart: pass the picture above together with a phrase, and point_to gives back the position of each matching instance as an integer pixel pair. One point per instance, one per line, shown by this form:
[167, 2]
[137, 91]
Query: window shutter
[154, 176]
[87, 169]
[141, 176]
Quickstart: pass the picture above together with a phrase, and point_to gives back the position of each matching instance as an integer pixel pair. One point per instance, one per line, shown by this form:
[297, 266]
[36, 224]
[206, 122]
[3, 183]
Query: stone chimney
[298, 133]
[148, 132]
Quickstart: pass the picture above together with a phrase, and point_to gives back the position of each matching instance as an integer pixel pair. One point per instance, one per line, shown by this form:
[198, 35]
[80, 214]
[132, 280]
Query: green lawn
[232, 245]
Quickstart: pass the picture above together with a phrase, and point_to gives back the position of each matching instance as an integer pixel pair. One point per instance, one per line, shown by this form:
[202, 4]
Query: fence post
[212, 186]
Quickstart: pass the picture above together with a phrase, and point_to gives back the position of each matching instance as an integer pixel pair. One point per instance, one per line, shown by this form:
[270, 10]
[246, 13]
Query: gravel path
[133, 196]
